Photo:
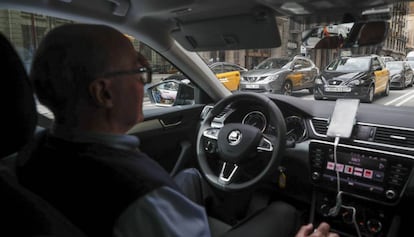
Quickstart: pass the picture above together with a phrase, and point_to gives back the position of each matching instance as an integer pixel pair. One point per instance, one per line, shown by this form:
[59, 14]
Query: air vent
[320, 126]
[394, 136]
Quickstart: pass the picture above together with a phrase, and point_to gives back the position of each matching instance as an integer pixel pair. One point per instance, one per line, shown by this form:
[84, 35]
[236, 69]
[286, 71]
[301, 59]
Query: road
[395, 98]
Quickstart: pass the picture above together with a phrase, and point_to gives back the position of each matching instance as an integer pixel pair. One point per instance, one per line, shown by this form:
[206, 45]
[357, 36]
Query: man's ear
[100, 92]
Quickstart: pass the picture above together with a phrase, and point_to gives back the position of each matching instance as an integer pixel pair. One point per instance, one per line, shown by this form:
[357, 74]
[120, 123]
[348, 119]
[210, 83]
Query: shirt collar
[126, 142]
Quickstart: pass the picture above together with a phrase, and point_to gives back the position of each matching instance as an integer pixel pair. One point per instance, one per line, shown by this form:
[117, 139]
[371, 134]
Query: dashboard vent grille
[394, 136]
[320, 126]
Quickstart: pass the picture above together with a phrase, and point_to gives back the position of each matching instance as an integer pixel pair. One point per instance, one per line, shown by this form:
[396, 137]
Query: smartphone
[343, 118]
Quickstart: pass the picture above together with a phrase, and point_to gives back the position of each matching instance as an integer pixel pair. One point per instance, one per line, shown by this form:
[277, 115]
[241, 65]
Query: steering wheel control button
[210, 146]
[211, 133]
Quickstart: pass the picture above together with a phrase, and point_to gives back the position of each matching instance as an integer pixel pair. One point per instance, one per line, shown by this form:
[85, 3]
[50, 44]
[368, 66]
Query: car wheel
[287, 88]
[370, 96]
[411, 82]
[387, 89]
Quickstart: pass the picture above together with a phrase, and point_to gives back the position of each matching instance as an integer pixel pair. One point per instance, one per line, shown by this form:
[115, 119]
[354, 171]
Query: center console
[372, 182]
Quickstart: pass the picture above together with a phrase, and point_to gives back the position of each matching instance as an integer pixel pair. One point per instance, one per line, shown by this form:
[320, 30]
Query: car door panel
[381, 78]
[230, 80]
[168, 134]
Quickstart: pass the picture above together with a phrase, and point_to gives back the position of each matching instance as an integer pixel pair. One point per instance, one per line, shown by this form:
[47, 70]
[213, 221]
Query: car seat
[22, 213]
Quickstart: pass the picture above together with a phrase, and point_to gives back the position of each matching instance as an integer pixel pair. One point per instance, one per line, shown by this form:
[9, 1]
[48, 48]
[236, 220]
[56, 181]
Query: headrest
[19, 116]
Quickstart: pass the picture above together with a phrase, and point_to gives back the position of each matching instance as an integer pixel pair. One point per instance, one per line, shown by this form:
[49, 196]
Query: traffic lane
[398, 98]
[395, 98]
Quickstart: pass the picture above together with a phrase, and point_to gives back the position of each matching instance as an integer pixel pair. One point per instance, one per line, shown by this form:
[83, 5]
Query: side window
[218, 69]
[229, 68]
[29, 29]
[376, 64]
[306, 63]
[298, 64]
[380, 62]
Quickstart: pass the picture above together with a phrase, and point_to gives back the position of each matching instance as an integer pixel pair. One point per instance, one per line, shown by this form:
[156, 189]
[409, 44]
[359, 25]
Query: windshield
[395, 65]
[273, 64]
[233, 66]
[349, 65]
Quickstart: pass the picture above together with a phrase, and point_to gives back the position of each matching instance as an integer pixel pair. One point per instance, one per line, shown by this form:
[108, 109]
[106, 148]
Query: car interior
[343, 162]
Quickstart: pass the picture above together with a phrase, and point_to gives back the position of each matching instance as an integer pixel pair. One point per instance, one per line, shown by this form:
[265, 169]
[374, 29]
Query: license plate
[337, 89]
[252, 86]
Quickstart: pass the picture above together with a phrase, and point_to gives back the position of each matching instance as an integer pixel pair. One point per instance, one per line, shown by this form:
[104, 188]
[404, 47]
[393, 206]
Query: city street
[395, 98]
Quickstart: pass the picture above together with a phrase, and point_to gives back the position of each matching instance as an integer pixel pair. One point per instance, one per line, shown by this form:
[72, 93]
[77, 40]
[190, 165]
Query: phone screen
[343, 118]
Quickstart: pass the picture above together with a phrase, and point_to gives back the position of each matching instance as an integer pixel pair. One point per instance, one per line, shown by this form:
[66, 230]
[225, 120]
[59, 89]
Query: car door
[296, 74]
[167, 134]
[308, 72]
[381, 73]
[231, 79]
[408, 74]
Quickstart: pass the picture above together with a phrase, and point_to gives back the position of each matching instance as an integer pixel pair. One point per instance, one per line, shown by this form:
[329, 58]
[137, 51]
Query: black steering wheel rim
[275, 117]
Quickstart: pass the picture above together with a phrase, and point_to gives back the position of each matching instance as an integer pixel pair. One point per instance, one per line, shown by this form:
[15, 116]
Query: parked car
[401, 74]
[281, 76]
[221, 67]
[361, 184]
[227, 73]
[387, 58]
[360, 77]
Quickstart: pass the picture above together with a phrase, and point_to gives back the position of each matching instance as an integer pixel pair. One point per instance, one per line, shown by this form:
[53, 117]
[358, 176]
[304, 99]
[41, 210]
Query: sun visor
[229, 33]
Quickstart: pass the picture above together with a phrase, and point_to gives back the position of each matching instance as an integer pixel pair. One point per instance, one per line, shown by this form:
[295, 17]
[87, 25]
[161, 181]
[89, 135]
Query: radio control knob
[374, 226]
[390, 194]
[316, 175]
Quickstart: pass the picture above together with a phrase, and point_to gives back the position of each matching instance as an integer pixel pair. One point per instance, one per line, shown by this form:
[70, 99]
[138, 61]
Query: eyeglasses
[146, 74]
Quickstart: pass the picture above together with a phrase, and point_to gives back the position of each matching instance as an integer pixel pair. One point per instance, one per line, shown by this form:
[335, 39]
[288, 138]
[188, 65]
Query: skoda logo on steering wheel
[234, 137]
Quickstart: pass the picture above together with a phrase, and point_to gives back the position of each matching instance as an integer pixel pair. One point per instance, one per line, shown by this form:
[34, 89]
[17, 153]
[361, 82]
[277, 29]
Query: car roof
[142, 17]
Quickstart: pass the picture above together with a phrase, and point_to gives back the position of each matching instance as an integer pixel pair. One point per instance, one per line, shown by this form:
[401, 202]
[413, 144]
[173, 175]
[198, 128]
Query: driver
[90, 77]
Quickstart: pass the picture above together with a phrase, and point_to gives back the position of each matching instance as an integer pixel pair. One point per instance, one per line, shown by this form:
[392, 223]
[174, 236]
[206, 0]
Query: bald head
[69, 58]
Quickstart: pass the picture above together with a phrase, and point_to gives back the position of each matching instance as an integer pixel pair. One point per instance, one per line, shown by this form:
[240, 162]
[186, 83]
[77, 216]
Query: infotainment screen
[358, 169]
[373, 174]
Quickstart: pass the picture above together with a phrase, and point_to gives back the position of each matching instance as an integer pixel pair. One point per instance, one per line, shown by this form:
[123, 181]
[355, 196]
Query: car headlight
[396, 77]
[271, 78]
[356, 82]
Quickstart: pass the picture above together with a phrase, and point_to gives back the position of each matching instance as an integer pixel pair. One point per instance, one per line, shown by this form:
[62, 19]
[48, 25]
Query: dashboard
[372, 170]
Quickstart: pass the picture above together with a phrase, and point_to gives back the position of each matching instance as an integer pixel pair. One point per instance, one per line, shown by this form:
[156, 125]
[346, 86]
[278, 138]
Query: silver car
[281, 76]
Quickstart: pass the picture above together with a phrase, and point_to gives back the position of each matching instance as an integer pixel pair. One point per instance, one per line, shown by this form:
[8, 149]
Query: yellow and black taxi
[281, 76]
[228, 73]
[360, 77]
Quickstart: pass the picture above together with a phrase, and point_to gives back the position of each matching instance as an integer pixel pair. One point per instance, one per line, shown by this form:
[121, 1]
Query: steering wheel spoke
[211, 133]
[265, 145]
[227, 173]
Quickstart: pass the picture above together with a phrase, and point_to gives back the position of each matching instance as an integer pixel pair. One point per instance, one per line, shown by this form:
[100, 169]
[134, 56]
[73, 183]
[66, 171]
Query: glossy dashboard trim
[368, 142]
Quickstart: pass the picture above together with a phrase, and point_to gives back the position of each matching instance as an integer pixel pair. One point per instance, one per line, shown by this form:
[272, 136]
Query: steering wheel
[232, 144]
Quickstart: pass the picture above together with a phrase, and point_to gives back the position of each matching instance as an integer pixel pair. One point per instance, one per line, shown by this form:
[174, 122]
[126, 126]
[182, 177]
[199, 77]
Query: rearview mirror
[346, 35]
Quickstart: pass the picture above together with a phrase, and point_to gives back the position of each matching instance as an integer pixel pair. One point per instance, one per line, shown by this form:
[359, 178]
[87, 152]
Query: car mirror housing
[347, 35]
[171, 93]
